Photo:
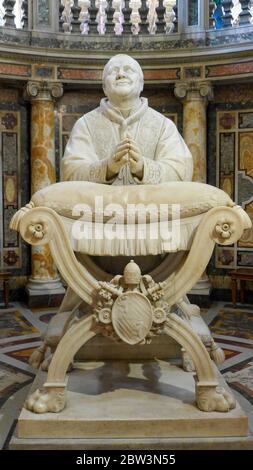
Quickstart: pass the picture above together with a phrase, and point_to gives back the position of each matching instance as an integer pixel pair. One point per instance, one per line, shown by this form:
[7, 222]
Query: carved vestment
[96, 134]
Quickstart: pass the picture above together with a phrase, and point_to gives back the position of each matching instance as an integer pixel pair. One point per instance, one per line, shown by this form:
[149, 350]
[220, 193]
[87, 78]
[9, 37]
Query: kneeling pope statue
[124, 141]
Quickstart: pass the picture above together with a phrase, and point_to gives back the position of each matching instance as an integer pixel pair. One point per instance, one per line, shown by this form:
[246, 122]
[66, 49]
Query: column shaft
[195, 97]
[45, 278]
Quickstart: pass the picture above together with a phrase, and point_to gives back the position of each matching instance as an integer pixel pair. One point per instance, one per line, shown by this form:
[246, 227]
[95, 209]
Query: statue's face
[122, 78]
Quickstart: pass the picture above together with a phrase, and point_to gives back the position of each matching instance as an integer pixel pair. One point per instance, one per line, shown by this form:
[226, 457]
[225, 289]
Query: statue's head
[122, 78]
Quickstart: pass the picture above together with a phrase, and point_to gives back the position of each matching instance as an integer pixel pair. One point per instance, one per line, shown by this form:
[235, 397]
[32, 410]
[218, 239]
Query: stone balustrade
[124, 17]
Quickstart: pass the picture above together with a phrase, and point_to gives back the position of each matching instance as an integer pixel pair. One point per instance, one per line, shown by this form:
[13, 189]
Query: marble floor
[20, 330]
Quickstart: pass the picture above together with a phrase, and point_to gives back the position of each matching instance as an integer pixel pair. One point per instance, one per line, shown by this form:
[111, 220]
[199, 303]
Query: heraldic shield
[132, 317]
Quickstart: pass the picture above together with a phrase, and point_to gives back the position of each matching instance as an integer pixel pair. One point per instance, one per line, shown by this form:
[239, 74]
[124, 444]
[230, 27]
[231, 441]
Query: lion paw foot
[44, 400]
[214, 399]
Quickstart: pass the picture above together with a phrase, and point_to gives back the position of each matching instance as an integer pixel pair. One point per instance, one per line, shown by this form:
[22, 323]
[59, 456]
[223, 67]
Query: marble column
[195, 96]
[44, 286]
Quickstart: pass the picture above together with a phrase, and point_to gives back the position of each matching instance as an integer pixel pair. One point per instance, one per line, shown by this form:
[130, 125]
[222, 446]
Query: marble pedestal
[115, 404]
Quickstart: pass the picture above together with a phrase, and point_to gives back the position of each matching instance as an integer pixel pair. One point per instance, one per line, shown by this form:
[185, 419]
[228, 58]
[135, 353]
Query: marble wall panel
[225, 257]
[14, 168]
[246, 153]
[230, 143]
[245, 258]
[245, 120]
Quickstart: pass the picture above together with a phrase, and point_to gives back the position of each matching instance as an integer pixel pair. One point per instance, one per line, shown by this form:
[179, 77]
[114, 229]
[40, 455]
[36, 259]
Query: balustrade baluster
[212, 6]
[227, 17]
[93, 24]
[127, 25]
[175, 21]
[75, 22]
[245, 15]
[160, 23]
[9, 16]
[24, 18]
[61, 20]
[109, 24]
[143, 12]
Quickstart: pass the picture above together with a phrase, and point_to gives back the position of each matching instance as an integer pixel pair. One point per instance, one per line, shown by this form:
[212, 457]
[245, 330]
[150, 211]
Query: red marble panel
[229, 69]
[168, 74]
[79, 74]
[15, 69]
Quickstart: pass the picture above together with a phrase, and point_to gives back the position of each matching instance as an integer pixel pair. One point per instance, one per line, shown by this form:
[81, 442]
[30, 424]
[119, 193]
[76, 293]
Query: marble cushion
[99, 199]
[98, 206]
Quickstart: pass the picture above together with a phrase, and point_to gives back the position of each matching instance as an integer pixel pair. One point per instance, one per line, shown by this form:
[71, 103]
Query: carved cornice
[43, 91]
[194, 90]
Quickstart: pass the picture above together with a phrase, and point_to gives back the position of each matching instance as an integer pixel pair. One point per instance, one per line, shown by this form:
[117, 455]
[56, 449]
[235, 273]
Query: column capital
[194, 90]
[43, 90]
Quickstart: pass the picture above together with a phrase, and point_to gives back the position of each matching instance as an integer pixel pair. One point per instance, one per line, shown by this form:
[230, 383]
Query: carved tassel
[217, 354]
[38, 356]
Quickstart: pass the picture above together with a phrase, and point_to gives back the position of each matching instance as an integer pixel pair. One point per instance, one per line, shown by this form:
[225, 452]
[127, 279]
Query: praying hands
[126, 152]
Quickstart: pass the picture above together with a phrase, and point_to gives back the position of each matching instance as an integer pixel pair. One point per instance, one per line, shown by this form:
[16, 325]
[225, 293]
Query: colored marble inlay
[13, 323]
[229, 69]
[10, 237]
[10, 152]
[225, 258]
[227, 121]
[168, 74]
[12, 257]
[246, 153]
[22, 355]
[227, 184]
[10, 185]
[227, 152]
[15, 69]
[79, 74]
[44, 72]
[233, 323]
[193, 72]
[245, 120]
[9, 121]
[246, 241]
[245, 258]
[11, 380]
[240, 378]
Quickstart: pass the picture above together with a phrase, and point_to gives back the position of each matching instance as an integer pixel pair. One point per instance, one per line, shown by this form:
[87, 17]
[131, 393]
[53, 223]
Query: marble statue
[126, 152]
[124, 141]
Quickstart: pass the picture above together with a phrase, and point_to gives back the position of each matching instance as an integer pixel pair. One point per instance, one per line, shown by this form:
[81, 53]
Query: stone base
[213, 443]
[129, 404]
[101, 348]
[47, 293]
